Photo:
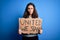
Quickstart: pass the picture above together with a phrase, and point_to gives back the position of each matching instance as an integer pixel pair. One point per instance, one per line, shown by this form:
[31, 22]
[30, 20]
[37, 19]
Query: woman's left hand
[41, 31]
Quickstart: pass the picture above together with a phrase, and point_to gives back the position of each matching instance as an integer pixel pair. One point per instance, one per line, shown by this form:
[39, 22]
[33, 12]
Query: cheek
[28, 10]
[32, 10]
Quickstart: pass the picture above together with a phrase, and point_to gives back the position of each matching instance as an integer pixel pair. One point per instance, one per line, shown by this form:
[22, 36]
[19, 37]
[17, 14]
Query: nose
[30, 10]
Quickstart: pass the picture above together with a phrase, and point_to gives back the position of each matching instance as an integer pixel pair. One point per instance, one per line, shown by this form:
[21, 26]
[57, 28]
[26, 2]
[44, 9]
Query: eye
[28, 8]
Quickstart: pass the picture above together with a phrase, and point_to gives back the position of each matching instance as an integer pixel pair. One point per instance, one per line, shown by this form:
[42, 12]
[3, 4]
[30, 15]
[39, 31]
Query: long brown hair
[26, 13]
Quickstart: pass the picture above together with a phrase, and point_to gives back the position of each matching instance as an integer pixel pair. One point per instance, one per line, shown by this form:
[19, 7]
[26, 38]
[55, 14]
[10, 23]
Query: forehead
[30, 6]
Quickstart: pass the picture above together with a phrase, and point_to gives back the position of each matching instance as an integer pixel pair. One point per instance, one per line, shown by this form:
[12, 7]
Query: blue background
[48, 10]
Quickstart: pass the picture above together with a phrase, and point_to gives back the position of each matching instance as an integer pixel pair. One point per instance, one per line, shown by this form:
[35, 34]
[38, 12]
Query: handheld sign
[30, 25]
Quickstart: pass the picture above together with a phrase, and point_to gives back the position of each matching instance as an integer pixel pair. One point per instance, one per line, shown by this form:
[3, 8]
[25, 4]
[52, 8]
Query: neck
[30, 15]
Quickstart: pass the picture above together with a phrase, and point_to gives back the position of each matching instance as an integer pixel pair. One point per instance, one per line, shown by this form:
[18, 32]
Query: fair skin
[30, 10]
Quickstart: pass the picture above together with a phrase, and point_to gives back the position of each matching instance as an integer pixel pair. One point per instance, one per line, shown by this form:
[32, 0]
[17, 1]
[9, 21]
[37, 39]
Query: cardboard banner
[30, 25]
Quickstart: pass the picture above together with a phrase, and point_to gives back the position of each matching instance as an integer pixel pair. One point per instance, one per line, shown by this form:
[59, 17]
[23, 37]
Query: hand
[20, 32]
[41, 31]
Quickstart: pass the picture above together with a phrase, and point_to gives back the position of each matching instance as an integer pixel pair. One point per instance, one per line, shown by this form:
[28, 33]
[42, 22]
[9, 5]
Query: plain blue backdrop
[12, 10]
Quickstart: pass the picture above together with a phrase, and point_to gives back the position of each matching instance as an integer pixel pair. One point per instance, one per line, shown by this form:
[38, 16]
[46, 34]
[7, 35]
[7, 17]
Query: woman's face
[30, 9]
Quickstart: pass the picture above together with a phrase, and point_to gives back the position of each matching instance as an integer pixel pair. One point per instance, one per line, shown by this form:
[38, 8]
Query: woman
[30, 12]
